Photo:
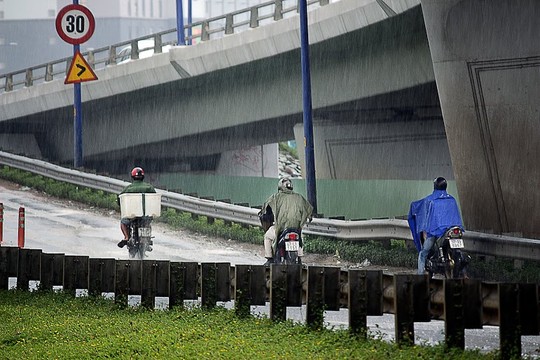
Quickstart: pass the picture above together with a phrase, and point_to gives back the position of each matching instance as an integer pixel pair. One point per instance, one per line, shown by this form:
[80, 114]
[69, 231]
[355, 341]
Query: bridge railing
[357, 230]
[201, 31]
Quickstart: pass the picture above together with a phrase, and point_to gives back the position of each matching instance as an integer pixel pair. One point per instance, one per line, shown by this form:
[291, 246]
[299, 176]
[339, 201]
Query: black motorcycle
[446, 256]
[287, 247]
[140, 240]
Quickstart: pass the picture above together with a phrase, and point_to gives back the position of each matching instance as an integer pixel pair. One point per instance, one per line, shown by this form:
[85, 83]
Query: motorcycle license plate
[292, 245]
[145, 232]
[456, 243]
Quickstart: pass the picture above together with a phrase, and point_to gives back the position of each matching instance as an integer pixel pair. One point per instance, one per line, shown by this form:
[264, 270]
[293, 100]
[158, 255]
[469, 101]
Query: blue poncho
[433, 214]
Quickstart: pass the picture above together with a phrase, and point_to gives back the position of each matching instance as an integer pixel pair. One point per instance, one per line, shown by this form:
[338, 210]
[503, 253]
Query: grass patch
[58, 326]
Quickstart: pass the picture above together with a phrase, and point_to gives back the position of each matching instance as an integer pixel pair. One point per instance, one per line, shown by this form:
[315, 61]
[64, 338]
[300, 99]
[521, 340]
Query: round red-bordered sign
[75, 24]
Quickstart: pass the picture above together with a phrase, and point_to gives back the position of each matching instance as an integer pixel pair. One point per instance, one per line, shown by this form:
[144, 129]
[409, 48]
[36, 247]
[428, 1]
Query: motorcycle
[140, 240]
[141, 208]
[446, 256]
[287, 247]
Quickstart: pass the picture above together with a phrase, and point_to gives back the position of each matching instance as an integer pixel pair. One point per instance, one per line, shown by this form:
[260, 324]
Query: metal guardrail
[205, 30]
[374, 229]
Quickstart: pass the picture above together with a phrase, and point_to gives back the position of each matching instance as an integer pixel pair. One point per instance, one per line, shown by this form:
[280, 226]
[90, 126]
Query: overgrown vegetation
[59, 326]
[395, 253]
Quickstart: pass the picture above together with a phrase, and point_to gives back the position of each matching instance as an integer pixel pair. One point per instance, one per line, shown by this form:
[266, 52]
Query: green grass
[58, 326]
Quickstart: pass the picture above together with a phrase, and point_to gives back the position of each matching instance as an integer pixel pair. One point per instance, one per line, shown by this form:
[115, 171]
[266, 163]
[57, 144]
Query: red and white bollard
[21, 227]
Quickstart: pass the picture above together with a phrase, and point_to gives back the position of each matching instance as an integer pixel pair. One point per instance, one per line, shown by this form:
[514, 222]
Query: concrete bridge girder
[486, 63]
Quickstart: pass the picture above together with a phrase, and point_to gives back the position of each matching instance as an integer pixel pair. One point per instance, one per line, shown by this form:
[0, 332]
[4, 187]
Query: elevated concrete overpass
[377, 112]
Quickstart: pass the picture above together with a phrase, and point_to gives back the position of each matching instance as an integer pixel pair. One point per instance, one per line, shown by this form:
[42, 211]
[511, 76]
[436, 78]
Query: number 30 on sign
[75, 24]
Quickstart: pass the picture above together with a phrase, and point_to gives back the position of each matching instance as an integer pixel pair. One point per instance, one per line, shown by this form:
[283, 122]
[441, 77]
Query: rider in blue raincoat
[430, 217]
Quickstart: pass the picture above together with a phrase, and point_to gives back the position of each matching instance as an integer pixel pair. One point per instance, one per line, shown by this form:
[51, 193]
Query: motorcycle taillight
[292, 236]
[456, 231]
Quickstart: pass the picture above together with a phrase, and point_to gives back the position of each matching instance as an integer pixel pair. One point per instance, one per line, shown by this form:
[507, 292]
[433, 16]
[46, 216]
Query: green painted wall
[354, 199]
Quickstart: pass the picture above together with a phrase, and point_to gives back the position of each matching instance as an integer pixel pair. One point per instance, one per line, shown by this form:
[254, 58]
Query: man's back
[290, 209]
[138, 186]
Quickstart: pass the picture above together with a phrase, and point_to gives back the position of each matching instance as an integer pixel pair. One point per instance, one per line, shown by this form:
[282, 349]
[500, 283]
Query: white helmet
[285, 183]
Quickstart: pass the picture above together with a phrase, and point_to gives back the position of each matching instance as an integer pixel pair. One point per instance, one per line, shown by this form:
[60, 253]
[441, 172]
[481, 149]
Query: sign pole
[75, 24]
[307, 107]
[77, 112]
[180, 23]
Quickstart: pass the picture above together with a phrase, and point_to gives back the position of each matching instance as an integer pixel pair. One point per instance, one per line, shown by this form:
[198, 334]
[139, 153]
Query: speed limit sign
[75, 24]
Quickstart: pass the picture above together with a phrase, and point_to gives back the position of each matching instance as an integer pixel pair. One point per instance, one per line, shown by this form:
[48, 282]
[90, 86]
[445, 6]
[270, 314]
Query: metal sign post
[307, 106]
[75, 24]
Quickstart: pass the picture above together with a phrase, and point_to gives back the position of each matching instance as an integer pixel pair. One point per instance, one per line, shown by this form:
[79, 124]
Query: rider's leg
[422, 255]
[269, 238]
[124, 226]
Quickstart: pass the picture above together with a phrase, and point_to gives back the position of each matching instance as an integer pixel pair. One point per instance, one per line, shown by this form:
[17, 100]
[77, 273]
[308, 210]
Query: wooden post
[29, 267]
[332, 288]
[208, 285]
[102, 276]
[509, 323]
[52, 271]
[528, 309]
[278, 292]
[454, 326]
[315, 296]
[404, 312]
[9, 265]
[155, 281]
[357, 302]
[375, 299]
[121, 288]
[75, 273]
[472, 307]
[223, 281]
[20, 240]
[242, 295]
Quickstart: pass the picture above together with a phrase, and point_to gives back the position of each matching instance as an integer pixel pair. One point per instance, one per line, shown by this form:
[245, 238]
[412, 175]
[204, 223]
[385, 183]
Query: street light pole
[190, 22]
[180, 23]
[307, 107]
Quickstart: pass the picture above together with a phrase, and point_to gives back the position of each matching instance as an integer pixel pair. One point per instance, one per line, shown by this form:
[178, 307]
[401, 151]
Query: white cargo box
[140, 204]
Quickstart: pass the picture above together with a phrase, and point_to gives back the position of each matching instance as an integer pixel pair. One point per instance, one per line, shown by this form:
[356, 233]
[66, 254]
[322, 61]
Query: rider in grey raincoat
[290, 210]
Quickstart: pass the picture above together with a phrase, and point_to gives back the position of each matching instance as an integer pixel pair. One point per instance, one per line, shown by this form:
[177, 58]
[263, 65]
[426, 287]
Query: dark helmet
[440, 183]
[285, 183]
[137, 173]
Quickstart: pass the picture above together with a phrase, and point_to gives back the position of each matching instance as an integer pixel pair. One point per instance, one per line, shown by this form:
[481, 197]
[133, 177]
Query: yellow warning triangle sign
[79, 70]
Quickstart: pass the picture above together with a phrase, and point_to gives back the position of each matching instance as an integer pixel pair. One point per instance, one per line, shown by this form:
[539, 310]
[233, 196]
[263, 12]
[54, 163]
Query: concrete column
[486, 61]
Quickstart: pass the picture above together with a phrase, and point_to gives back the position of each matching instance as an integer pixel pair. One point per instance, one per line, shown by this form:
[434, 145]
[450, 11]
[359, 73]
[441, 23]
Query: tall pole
[180, 23]
[307, 107]
[190, 22]
[77, 121]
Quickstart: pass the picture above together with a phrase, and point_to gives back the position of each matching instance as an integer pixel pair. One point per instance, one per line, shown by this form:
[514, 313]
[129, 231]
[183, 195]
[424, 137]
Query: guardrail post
[254, 17]
[357, 302]
[75, 273]
[205, 28]
[9, 265]
[101, 276]
[158, 44]
[278, 10]
[52, 271]
[509, 321]
[314, 302]
[250, 288]
[208, 285]
[49, 72]
[454, 326]
[404, 313]
[91, 59]
[229, 24]
[9, 82]
[29, 267]
[134, 50]
[528, 309]
[29, 80]
[112, 55]
[20, 232]
[278, 292]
